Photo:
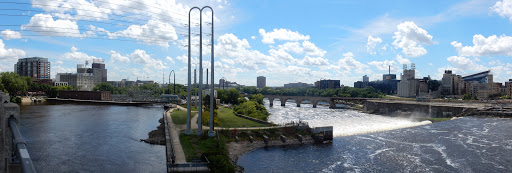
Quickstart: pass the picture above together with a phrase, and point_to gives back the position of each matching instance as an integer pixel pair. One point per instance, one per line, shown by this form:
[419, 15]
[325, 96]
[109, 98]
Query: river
[373, 143]
[92, 138]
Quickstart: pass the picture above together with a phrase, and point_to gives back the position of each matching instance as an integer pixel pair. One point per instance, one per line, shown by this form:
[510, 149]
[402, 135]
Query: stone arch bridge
[314, 100]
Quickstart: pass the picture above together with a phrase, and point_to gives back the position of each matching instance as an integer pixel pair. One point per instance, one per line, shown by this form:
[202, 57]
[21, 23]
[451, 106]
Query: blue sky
[286, 41]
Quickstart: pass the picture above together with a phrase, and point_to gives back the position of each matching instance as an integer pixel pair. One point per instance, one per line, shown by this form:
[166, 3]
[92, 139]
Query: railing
[21, 153]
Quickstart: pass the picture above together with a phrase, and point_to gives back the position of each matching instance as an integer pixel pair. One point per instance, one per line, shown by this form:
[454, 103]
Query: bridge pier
[298, 102]
[283, 102]
[332, 105]
[271, 100]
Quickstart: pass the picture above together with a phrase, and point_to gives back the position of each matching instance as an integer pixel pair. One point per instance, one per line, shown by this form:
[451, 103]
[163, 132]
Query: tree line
[369, 92]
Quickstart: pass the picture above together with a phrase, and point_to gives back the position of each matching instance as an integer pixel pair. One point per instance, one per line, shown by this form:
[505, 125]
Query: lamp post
[223, 83]
[174, 82]
[211, 132]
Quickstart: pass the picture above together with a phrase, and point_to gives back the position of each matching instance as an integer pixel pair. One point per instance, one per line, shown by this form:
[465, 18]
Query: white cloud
[492, 45]
[465, 64]
[293, 47]
[229, 46]
[45, 25]
[282, 35]
[309, 61]
[281, 56]
[372, 43]
[183, 59]
[411, 38]
[168, 58]
[503, 8]
[402, 60]
[10, 34]
[385, 65]
[9, 56]
[74, 54]
[59, 69]
[81, 9]
[348, 65]
[116, 57]
[312, 50]
[59, 62]
[253, 37]
[153, 32]
[496, 62]
[308, 48]
[140, 56]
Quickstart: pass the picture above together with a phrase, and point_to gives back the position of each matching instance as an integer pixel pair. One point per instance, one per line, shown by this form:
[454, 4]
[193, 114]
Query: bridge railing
[20, 151]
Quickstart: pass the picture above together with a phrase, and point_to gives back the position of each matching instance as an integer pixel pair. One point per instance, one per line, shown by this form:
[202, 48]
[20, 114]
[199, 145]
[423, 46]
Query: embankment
[419, 109]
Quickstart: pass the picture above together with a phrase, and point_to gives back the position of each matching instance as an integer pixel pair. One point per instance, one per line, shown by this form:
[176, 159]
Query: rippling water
[462, 145]
[91, 138]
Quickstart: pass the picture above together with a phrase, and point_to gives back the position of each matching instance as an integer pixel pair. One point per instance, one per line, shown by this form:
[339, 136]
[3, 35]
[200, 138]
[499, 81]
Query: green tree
[54, 90]
[257, 98]
[13, 83]
[103, 86]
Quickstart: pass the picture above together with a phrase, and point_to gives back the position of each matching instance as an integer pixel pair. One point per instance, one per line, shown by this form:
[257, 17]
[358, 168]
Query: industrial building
[408, 85]
[85, 78]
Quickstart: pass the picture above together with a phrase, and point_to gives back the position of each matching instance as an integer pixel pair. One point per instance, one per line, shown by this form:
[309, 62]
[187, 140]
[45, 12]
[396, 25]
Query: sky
[285, 41]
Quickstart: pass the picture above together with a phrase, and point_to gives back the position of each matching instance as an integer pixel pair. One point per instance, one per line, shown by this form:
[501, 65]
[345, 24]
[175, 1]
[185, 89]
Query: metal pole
[200, 109]
[211, 132]
[189, 101]
[172, 72]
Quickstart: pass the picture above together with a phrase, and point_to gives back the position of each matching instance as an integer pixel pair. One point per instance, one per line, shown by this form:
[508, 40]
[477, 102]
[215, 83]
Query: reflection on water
[91, 138]
[345, 122]
[462, 145]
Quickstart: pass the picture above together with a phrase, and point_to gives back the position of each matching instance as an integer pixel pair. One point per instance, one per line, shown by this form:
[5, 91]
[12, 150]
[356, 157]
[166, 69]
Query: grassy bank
[228, 119]
[179, 117]
[215, 150]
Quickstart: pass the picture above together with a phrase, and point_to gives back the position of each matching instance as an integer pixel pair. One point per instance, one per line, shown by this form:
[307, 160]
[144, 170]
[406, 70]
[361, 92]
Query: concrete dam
[421, 109]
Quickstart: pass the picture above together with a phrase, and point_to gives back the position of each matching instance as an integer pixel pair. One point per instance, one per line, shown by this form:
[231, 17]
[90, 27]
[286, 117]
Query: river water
[92, 138]
[462, 145]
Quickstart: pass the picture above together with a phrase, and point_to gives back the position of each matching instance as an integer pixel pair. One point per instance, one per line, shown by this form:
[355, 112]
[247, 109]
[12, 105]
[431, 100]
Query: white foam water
[345, 122]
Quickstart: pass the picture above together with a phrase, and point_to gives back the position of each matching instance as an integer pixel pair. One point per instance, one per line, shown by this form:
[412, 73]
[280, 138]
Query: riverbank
[157, 136]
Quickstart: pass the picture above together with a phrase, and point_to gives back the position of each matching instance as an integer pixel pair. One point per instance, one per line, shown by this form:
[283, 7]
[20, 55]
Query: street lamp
[223, 83]
[199, 129]
[172, 72]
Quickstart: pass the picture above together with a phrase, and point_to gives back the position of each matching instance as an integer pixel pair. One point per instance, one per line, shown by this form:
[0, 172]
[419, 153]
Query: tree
[13, 83]
[103, 86]
[257, 98]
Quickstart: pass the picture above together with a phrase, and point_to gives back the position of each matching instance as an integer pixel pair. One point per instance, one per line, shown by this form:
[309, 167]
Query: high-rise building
[366, 79]
[449, 83]
[34, 67]
[261, 82]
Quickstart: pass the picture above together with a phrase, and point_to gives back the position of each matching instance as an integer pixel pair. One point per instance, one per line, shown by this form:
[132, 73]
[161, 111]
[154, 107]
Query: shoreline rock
[156, 137]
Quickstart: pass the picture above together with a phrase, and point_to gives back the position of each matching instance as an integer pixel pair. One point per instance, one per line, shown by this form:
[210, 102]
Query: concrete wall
[408, 109]
[7, 110]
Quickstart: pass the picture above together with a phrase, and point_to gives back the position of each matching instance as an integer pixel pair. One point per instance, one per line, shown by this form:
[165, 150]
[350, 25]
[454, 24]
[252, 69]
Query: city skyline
[285, 42]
